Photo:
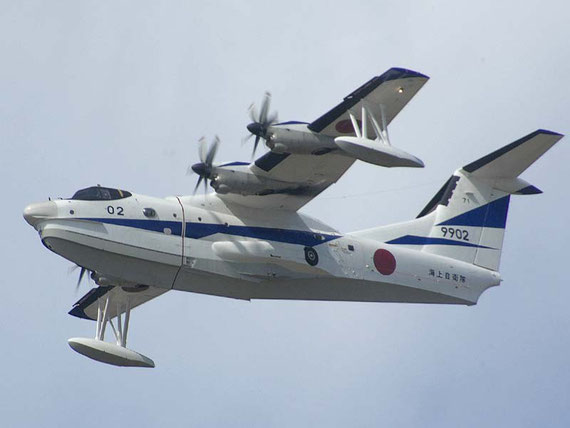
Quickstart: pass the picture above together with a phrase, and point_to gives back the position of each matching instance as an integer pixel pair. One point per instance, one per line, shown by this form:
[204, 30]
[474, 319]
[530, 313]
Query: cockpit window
[97, 193]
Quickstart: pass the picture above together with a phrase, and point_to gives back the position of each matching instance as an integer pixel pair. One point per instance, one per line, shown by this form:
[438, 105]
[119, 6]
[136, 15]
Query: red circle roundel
[345, 126]
[385, 262]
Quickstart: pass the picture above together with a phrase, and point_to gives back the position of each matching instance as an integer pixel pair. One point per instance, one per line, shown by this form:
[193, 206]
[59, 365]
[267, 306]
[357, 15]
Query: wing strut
[378, 151]
[117, 353]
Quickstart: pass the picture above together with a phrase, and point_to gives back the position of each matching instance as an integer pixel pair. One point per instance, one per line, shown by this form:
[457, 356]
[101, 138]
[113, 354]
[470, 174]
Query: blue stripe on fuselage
[202, 230]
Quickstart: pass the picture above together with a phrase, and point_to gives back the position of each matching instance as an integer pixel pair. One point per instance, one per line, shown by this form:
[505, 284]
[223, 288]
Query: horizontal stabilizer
[511, 160]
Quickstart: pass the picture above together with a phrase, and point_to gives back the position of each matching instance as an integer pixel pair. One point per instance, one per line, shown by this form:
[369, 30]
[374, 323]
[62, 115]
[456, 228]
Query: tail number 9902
[461, 234]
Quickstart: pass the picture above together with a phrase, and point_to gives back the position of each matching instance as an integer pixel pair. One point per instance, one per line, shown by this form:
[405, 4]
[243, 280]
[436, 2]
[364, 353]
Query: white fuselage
[197, 244]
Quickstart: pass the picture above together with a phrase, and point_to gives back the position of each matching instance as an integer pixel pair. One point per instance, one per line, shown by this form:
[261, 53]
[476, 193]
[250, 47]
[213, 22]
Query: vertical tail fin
[466, 219]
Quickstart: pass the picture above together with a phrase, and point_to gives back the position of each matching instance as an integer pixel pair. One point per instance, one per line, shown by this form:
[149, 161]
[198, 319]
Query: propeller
[260, 122]
[81, 274]
[204, 168]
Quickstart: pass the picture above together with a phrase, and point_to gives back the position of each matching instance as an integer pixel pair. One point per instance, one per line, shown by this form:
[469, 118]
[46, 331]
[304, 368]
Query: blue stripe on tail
[493, 214]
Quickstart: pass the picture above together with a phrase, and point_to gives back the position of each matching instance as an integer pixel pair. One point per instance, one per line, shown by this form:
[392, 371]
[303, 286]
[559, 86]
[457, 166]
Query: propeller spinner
[261, 122]
[204, 168]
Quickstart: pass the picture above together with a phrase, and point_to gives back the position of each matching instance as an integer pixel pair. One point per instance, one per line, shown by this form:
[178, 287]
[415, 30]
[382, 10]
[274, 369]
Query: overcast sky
[119, 92]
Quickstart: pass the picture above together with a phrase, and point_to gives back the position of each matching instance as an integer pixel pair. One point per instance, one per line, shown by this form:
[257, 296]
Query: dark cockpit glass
[98, 193]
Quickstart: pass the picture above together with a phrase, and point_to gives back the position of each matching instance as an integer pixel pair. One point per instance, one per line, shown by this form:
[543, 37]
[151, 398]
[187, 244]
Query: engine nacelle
[302, 142]
[244, 182]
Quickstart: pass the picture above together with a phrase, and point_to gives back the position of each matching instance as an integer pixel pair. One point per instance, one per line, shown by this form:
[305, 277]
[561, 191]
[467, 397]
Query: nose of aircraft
[34, 213]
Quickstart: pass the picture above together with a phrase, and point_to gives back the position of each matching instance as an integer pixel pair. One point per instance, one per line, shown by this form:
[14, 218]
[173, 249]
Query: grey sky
[118, 93]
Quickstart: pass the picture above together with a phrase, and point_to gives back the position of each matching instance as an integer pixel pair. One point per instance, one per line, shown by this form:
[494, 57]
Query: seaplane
[245, 238]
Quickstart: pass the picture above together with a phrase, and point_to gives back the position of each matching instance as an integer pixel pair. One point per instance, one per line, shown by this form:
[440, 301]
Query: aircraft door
[183, 240]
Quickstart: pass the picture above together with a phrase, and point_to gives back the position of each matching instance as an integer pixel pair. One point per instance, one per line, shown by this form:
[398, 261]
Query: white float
[372, 151]
[109, 353]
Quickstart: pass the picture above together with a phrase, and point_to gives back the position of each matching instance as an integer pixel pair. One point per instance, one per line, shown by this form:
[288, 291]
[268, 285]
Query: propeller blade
[265, 108]
[212, 153]
[246, 139]
[272, 119]
[253, 113]
[197, 184]
[205, 166]
[260, 124]
[257, 138]
[81, 274]
[202, 149]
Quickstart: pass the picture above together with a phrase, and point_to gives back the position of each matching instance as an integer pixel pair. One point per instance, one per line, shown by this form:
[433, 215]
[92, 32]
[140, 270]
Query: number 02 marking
[112, 210]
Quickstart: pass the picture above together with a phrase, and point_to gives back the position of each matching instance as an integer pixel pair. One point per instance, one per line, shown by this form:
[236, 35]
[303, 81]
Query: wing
[301, 177]
[88, 305]
[391, 90]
